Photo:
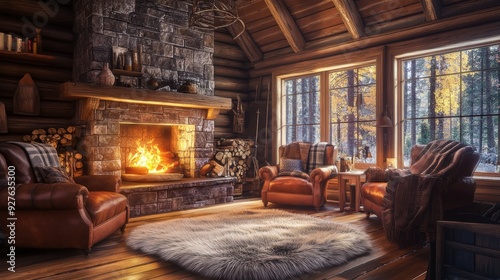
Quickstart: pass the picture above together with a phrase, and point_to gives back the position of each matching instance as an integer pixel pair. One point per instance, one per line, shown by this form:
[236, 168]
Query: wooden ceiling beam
[351, 17]
[323, 50]
[246, 43]
[287, 24]
[431, 9]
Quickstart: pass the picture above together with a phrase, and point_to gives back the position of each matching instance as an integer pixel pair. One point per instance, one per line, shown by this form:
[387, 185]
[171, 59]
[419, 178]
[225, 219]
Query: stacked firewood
[64, 140]
[232, 158]
[55, 137]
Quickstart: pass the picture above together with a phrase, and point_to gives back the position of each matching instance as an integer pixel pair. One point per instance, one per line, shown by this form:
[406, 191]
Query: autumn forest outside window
[453, 95]
[350, 106]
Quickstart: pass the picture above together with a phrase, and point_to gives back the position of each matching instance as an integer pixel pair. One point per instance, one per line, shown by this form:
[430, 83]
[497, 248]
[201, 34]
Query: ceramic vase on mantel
[106, 77]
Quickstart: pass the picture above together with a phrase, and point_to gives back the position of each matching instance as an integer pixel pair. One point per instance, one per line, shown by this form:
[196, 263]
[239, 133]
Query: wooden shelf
[38, 59]
[145, 96]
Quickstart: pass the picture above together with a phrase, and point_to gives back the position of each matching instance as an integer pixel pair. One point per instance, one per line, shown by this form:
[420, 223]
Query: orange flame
[148, 155]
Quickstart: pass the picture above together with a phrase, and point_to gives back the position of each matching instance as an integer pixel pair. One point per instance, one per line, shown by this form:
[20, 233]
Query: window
[453, 95]
[349, 108]
[352, 112]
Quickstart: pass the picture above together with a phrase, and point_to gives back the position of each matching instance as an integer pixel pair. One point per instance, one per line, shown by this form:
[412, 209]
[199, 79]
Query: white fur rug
[251, 244]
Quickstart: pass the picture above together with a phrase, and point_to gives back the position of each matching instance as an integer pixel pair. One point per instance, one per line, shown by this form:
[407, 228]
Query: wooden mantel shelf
[145, 96]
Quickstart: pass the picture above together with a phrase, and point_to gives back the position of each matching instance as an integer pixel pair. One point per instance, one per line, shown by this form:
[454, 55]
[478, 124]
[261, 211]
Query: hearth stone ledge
[160, 197]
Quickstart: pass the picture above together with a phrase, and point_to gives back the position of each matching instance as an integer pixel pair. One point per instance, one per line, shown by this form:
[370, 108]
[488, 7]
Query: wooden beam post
[350, 17]
[431, 9]
[247, 44]
[287, 24]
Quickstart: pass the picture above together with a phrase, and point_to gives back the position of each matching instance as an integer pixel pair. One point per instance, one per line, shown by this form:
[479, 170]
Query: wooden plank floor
[111, 259]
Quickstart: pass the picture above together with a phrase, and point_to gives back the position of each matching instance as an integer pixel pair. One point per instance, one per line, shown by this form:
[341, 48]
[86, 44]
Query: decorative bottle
[106, 77]
[135, 61]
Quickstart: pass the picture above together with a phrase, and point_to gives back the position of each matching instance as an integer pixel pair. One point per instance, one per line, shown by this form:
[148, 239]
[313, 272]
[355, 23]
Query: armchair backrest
[13, 155]
[300, 150]
[444, 158]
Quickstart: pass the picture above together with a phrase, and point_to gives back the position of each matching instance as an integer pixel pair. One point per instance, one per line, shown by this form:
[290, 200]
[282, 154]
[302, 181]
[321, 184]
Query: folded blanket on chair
[40, 155]
[316, 156]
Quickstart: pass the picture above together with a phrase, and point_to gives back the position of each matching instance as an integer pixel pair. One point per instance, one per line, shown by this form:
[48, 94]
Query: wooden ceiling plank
[431, 9]
[246, 43]
[287, 24]
[307, 9]
[351, 17]
[268, 35]
[401, 13]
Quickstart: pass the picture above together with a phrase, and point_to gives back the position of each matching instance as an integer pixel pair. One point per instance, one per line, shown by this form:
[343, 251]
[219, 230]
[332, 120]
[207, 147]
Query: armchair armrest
[109, 183]
[323, 173]
[41, 196]
[375, 174]
[267, 173]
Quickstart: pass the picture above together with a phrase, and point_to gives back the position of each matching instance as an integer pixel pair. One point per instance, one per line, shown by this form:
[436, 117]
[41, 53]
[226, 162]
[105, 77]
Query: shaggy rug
[251, 244]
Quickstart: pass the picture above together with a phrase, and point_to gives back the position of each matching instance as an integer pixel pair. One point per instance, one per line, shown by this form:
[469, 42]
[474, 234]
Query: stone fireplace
[170, 52]
[183, 131]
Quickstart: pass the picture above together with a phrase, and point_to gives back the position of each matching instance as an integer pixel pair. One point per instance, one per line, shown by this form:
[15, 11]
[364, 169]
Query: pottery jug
[106, 78]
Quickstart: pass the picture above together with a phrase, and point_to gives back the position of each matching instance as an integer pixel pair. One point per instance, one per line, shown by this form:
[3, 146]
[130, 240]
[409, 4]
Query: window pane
[353, 112]
[301, 98]
[453, 96]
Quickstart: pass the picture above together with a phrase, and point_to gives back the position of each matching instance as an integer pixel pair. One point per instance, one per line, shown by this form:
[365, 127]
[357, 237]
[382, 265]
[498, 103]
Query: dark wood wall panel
[48, 69]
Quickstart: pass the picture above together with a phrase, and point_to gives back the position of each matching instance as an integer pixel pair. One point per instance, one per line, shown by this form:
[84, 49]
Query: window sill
[487, 189]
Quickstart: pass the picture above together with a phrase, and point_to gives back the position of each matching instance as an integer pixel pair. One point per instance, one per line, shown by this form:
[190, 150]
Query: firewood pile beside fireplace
[64, 140]
[233, 157]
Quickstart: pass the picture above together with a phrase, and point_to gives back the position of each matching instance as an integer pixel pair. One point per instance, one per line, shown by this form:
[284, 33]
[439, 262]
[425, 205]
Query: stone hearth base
[160, 197]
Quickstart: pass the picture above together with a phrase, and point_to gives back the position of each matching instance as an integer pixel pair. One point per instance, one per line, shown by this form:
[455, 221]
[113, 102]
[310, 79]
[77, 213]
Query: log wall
[231, 79]
[52, 66]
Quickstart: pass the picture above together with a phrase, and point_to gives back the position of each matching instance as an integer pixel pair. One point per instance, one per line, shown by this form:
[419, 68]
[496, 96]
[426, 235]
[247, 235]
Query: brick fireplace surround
[171, 51]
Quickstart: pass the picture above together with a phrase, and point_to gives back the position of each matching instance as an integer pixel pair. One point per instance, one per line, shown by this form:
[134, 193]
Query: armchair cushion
[291, 185]
[50, 174]
[298, 174]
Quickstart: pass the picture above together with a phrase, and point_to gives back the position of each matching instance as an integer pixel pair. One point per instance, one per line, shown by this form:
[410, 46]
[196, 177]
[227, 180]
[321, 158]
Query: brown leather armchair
[57, 215]
[438, 182]
[459, 187]
[304, 187]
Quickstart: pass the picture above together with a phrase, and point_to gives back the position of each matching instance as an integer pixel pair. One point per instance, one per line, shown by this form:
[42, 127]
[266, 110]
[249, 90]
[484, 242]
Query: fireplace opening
[153, 149]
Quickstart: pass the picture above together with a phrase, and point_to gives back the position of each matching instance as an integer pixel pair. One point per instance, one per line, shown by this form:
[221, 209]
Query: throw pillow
[290, 165]
[54, 175]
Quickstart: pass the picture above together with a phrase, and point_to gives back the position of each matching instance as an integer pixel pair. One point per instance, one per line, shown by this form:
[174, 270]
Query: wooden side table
[356, 176]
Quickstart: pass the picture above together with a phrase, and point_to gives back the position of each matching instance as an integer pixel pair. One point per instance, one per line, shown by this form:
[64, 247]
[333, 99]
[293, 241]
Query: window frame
[399, 94]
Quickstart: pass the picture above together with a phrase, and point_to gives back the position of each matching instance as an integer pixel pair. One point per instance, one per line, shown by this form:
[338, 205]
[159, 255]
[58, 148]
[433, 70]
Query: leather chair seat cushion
[374, 192]
[293, 185]
[102, 206]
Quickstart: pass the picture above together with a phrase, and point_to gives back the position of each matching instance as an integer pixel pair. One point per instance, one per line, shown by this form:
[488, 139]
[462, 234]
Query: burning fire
[150, 156]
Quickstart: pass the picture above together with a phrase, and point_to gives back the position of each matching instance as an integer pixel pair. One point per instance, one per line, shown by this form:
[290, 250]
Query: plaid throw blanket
[316, 156]
[40, 155]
